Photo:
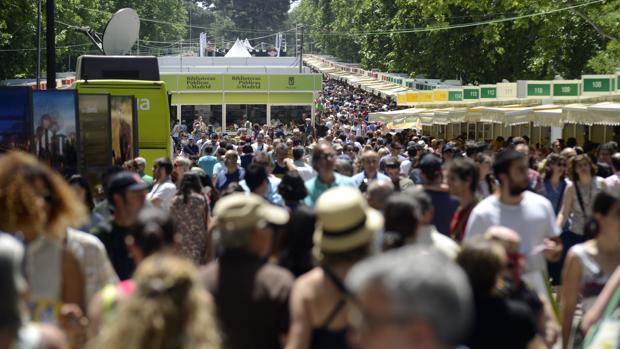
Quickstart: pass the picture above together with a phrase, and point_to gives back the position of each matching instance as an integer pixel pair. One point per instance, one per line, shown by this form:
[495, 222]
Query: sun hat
[245, 211]
[344, 221]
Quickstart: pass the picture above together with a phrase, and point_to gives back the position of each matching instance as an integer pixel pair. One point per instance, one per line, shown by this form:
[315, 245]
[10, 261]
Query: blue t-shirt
[206, 163]
[224, 178]
[445, 205]
[315, 187]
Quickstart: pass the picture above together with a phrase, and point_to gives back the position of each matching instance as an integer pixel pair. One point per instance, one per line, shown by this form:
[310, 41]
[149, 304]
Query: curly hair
[168, 309]
[34, 199]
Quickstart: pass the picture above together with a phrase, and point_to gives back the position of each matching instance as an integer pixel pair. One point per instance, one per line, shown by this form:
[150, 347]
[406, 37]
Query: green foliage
[567, 43]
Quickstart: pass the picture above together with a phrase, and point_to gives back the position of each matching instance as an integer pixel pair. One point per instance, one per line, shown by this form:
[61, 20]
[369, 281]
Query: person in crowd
[411, 161]
[131, 166]
[219, 165]
[395, 148]
[38, 206]
[462, 180]
[517, 208]
[319, 298]
[305, 171]
[323, 161]
[181, 165]
[141, 165]
[267, 186]
[293, 190]
[532, 174]
[578, 197]
[152, 233]
[251, 296]
[83, 191]
[282, 164]
[589, 265]
[232, 173]
[370, 172]
[393, 170]
[602, 306]
[612, 183]
[410, 298]
[259, 145]
[554, 187]
[127, 193]
[207, 161]
[246, 156]
[163, 189]
[554, 181]
[487, 183]
[15, 329]
[402, 221]
[167, 309]
[297, 243]
[378, 193]
[604, 164]
[190, 215]
[343, 167]
[500, 322]
[93, 259]
[190, 149]
[431, 168]
[427, 234]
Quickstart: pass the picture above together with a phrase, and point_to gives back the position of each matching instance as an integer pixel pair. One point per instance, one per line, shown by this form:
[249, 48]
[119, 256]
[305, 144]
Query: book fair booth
[542, 110]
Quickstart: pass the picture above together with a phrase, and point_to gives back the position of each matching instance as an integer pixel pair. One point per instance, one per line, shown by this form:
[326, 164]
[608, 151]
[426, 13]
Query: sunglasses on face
[327, 156]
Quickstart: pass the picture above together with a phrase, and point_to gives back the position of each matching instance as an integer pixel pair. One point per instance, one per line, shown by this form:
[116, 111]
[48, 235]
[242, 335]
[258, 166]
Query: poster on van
[15, 115]
[124, 129]
[55, 129]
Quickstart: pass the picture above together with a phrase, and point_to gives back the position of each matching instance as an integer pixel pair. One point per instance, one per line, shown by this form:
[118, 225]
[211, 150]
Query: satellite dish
[122, 32]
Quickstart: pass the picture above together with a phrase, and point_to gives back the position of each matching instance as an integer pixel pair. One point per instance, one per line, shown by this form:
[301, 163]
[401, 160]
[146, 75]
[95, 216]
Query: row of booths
[588, 107]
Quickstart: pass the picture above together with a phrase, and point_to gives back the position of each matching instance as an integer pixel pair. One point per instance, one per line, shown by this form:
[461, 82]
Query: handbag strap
[579, 198]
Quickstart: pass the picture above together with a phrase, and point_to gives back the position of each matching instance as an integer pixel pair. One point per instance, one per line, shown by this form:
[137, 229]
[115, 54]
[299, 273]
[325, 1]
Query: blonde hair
[168, 309]
[35, 199]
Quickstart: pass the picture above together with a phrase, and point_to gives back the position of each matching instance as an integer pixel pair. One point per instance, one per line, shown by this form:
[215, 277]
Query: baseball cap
[124, 181]
[430, 164]
[247, 210]
[448, 147]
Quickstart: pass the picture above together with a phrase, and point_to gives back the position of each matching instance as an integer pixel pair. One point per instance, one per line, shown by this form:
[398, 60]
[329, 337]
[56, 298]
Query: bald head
[523, 149]
[507, 237]
[378, 193]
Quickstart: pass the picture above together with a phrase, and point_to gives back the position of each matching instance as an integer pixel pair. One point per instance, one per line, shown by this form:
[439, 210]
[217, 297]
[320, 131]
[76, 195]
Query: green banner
[292, 83]
[538, 90]
[596, 85]
[245, 82]
[203, 82]
[488, 92]
[471, 93]
[455, 96]
[565, 90]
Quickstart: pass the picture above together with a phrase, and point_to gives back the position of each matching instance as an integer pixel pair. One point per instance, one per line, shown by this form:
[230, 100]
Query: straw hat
[344, 220]
[247, 210]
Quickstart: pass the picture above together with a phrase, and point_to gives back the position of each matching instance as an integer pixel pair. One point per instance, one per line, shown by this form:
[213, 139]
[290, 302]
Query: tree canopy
[527, 39]
[164, 27]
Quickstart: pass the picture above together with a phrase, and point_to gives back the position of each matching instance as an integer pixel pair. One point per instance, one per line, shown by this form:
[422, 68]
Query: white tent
[246, 44]
[238, 50]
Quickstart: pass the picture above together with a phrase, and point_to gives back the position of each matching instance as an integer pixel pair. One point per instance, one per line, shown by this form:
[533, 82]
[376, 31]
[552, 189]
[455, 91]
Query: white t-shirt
[533, 218]
[429, 236]
[164, 192]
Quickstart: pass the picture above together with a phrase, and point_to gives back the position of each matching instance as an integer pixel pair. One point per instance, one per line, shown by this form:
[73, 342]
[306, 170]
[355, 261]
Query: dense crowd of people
[337, 233]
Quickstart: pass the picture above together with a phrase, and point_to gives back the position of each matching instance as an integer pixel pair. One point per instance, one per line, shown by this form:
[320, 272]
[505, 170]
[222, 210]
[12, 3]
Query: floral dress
[190, 222]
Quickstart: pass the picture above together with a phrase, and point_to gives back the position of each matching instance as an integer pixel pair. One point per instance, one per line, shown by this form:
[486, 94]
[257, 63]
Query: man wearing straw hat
[251, 296]
[345, 230]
